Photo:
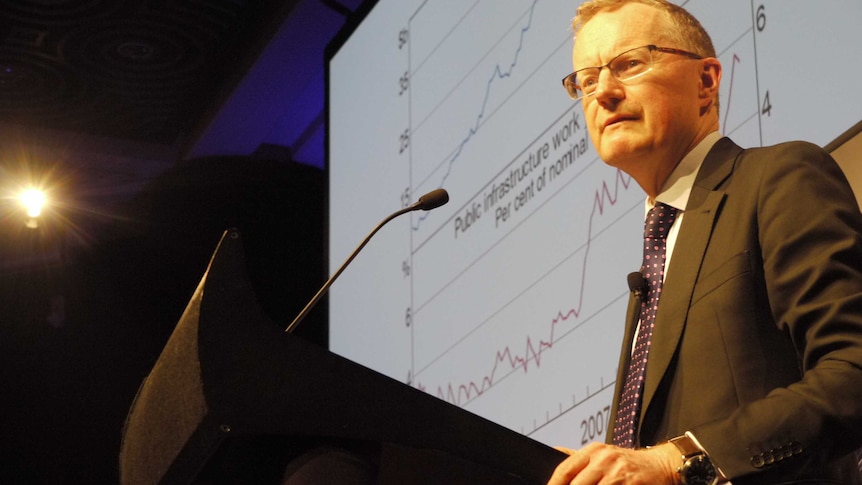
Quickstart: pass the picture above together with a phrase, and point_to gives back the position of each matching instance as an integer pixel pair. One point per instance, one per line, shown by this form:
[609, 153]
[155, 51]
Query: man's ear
[710, 79]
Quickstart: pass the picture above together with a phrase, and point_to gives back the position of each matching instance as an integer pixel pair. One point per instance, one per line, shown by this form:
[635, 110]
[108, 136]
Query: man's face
[648, 124]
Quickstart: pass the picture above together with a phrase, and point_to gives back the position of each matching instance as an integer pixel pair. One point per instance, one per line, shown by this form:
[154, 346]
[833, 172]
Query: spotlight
[33, 201]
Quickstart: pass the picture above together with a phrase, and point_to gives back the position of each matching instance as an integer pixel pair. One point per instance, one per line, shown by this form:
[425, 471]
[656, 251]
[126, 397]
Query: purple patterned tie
[658, 222]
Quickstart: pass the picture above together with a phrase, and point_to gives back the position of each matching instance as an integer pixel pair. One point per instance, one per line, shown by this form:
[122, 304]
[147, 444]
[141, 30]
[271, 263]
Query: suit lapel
[703, 208]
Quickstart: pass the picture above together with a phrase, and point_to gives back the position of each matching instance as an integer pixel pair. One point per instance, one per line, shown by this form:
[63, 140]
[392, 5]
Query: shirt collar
[677, 187]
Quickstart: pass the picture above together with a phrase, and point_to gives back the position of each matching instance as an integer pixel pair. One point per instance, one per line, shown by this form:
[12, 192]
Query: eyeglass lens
[626, 66]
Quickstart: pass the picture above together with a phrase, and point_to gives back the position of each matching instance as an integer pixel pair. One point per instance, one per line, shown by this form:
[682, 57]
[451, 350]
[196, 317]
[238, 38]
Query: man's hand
[598, 463]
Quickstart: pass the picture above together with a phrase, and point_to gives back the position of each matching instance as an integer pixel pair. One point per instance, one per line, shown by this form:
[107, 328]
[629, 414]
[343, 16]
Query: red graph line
[459, 393]
[736, 60]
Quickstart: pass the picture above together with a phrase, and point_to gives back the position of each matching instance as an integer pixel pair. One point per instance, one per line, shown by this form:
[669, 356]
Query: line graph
[737, 97]
[458, 394]
[569, 327]
[736, 60]
[498, 72]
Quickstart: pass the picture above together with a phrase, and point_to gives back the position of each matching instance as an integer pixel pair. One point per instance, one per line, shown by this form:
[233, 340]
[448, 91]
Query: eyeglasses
[629, 65]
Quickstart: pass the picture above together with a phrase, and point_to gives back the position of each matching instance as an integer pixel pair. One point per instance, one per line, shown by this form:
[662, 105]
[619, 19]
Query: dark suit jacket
[757, 347]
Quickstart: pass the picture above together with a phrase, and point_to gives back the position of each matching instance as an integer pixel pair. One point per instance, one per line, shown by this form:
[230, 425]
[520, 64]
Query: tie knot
[658, 221]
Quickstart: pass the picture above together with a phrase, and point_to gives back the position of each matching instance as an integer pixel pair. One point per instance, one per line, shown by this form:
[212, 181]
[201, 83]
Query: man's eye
[629, 64]
[588, 81]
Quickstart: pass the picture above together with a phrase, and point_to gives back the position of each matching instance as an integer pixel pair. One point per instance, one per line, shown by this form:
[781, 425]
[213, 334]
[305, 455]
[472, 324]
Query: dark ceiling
[139, 70]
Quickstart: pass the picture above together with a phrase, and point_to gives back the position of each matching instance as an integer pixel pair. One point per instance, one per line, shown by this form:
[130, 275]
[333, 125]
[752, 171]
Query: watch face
[698, 470]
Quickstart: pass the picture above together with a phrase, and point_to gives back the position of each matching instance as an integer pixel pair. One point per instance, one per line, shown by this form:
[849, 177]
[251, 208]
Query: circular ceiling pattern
[138, 70]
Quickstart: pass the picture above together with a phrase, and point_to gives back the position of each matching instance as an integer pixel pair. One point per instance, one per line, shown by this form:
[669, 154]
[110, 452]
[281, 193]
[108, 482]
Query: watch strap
[686, 446]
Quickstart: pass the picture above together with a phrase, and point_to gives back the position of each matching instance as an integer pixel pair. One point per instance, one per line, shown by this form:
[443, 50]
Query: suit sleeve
[808, 230]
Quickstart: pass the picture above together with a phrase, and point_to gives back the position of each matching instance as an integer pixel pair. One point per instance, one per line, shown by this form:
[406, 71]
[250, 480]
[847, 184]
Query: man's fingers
[568, 468]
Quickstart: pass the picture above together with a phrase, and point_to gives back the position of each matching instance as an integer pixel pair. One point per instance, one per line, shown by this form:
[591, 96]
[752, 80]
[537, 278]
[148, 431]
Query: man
[754, 368]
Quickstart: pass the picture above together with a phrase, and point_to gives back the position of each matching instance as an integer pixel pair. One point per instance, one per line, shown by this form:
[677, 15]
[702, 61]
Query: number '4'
[766, 108]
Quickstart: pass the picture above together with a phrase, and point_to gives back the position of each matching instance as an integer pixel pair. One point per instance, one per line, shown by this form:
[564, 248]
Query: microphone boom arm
[429, 201]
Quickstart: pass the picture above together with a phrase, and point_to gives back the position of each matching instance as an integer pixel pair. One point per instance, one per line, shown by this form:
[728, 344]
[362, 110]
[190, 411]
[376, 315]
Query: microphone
[637, 284]
[431, 200]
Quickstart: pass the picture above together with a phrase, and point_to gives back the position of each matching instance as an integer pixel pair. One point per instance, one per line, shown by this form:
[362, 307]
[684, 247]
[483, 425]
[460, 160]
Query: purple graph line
[507, 359]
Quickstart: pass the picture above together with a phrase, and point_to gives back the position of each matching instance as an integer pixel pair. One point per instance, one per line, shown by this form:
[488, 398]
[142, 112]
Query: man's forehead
[611, 32]
[591, 51]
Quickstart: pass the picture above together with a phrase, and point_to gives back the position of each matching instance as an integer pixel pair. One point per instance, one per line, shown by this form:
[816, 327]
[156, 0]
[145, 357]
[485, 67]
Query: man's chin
[617, 158]
[620, 151]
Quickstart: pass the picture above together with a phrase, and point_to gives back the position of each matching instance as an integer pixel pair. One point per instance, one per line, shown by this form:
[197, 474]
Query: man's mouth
[616, 120]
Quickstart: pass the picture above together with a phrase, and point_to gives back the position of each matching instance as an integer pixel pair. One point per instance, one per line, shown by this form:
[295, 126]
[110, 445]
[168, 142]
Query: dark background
[155, 125]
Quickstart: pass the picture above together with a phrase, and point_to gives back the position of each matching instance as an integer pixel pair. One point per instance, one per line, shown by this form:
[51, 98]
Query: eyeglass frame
[651, 47]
